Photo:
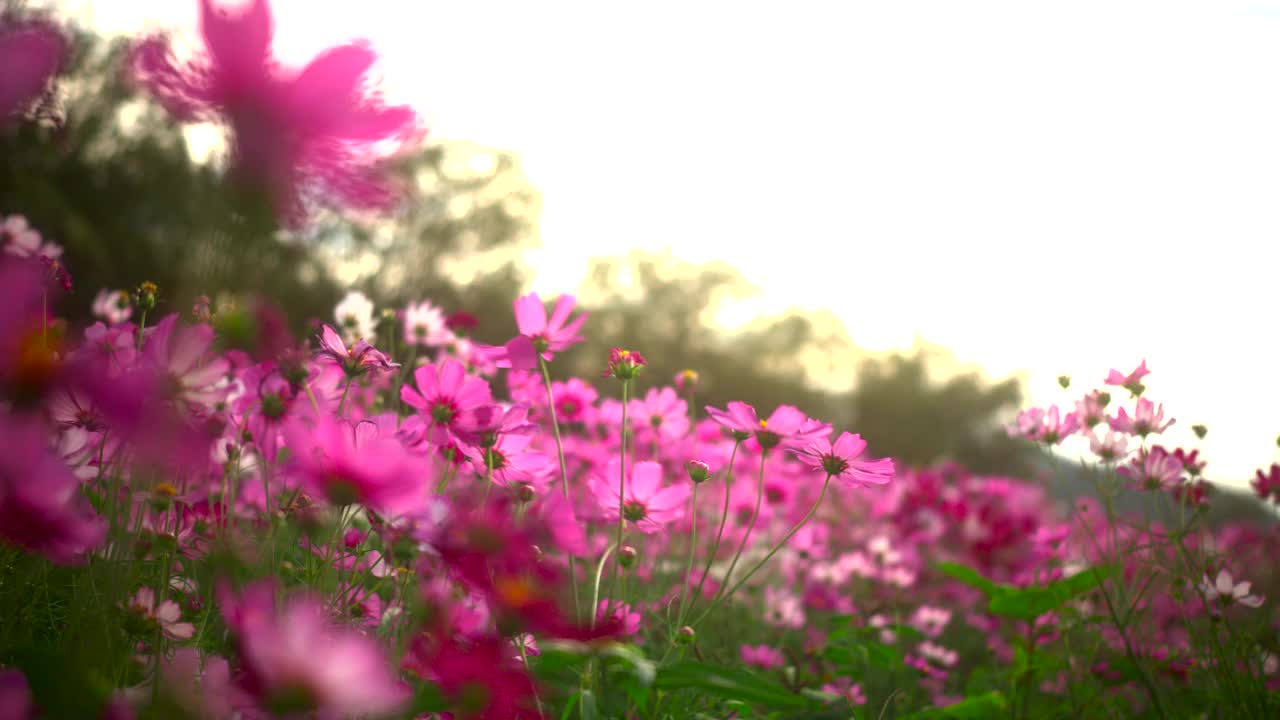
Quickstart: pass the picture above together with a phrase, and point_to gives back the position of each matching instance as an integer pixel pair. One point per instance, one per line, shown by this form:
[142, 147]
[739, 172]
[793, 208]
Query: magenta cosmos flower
[30, 53]
[539, 334]
[1131, 382]
[357, 360]
[297, 134]
[296, 661]
[448, 400]
[181, 353]
[787, 426]
[841, 460]
[41, 508]
[648, 505]
[353, 464]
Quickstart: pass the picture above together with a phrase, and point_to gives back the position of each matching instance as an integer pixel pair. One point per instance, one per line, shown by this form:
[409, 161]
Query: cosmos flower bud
[625, 364]
[627, 556]
[686, 380]
[146, 296]
[1200, 431]
[1064, 381]
[685, 636]
[525, 493]
[699, 472]
[200, 310]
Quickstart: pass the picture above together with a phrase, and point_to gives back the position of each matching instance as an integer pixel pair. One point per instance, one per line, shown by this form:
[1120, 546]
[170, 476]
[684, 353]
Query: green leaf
[980, 707]
[1030, 603]
[968, 576]
[730, 683]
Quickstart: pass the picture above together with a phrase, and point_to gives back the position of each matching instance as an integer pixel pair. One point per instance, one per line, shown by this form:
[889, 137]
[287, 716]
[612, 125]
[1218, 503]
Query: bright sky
[1043, 187]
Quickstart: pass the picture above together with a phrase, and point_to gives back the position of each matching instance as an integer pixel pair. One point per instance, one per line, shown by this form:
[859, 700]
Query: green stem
[595, 587]
[622, 489]
[772, 552]
[724, 515]
[751, 525]
[564, 475]
[693, 545]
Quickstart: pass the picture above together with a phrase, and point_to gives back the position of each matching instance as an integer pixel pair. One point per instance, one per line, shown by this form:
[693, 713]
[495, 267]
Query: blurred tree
[902, 412]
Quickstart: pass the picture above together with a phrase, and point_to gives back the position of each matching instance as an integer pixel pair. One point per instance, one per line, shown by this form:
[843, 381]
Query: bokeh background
[907, 218]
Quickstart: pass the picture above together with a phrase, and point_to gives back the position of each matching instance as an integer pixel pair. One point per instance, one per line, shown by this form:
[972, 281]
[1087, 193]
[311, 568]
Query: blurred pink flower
[357, 360]
[840, 460]
[648, 505]
[763, 656]
[112, 306]
[1224, 590]
[538, 333]
[297, 134]
[1153, 469]
[31, 53]
[352, 464]
[166, 615]
[41, 508]
[297, 661]
[1131, 382]
[1147, 418]
[181, 354]
[787, 426]
[627, 619]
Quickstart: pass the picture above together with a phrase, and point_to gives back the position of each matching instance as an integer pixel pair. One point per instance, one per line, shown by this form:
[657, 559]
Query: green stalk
[564, 477]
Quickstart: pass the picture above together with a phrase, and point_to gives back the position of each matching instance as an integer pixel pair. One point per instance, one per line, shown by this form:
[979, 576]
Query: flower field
[206, 514]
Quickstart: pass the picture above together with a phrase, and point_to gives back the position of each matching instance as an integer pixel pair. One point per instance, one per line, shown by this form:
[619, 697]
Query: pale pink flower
[787, 426]
[539, 334]
[21, 240]
[1109, 446]
[425, 326]
[782, 608]
[1153, 469]
[763, 656]
[1225, 591]
[1147, 418]
[112, 306]
[167, 615]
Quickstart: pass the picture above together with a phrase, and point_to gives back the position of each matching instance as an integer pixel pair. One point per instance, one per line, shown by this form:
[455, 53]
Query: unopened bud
[627, 557]
[1064, 381]
[685, 636]
[686, 380]
[146, 296]
[201, 309]
[1104, 398]
[1200, 431]
[525, 493]
[699, 472]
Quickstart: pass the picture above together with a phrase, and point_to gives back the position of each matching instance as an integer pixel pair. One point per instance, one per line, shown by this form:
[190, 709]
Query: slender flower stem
[622, 488]
[595, 586]
[772, 552]
[564, 476]
[345, 389]
[751, 525]
[724, 515]
[693, 546]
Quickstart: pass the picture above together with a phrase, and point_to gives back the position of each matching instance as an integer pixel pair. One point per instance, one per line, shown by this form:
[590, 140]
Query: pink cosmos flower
[1225, 591]
[627, 620]
[1267, 485]
[112, 306]
[353, 464]
[445, 398]
[296, 661]
[787, 426]
[930, 620]
[763, 656]
[840, 460]
[1153, 469]
[1147, 418]
[512, 461]
[15, 696]
[1131, 382]
[21, 240]
[357, 360]
[852, 694]
[660, 415]
[41, 508]
[1110, 446]
[1092, 409]
[648, 506]
[181, 353]
[166, 616]
[538, 333]
[574, 400]
[31, 53]
[425, 326]
[297, 134]
[782, 608]
[1048, 427]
